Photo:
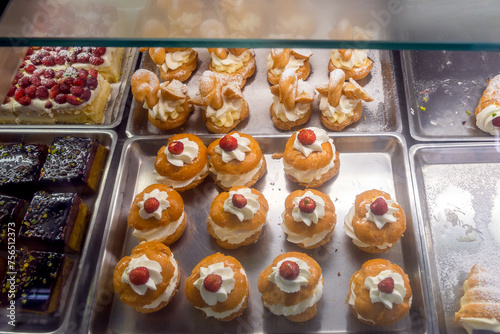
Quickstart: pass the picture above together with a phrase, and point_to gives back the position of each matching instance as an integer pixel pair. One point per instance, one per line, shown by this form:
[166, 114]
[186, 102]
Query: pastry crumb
[338, 274]
[277, 156]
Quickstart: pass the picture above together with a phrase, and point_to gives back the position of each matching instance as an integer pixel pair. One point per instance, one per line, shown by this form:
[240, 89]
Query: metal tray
[458, 204]
[381, 115]
[114, 108]
[77, 284]
[370, 161]
[448, 85]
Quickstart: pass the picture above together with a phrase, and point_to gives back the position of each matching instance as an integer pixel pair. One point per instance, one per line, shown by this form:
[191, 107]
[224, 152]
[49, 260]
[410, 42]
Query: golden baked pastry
[309, 218]
[218, 286]
[310, 157]
[236, 160]
[380, 293]
[148, 278]
[174, 63]
[340, 101]
[488, 109]
[157, 213]
[354, 62]
[183, 163]
[237, 217]
[480, 304]
[292, 100]
[375, 222]
[236, 62]
[292, 286]
[280, 60]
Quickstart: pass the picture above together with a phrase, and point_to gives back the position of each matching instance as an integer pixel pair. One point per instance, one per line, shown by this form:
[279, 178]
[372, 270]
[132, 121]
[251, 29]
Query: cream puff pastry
[309, 218]
[218, 286]
[148, 278]
[310, 157]
[375, 222]
[488, 109]
[280, 60]
[237, 217]
[183, 163]
[236, 160]
[380, 293]
[292, 286]
[174, 63]
[235, 62]
[354, 62]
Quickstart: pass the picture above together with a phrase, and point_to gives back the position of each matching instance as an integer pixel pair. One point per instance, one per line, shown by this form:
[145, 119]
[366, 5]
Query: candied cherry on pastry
[176, 147]
[139, 275]
[228, 143]
[307, 205]
[239, 201]
[151, 205]
[386, 285]
[289, 270]
[306, 136]
[212, 282]
[379, 206]
[496, 122]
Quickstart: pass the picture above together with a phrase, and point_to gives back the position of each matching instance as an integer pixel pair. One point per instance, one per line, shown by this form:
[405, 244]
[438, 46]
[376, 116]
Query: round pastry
[309, 218]
[280, 60]
[182, 164]
[148, 278]
[219, 287]
[310, 158]
[380, 293]
[157, 213]
[239, 62]
[354, 62]
[375, 222]
[292, 100]
[292, 286]
[174, 63]
[236, 160]
[236, 217]
[340, 101]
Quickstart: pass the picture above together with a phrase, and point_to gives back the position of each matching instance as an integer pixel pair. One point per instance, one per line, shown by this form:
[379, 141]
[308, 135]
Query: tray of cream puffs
[215, 90]
[309, 231]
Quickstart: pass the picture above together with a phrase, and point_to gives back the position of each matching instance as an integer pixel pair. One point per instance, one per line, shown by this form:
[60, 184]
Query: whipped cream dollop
[299, 110]
[357, 59]
[308, 218]
[309, 175]
[233, 236]
[233, 180]
[321, 138]
[349, 230]
[227, 114]
[352, 302]
[381, 220]
[246, 212]
[238, 153]
[165, 109]
[162, 198]
[232, 63]
[159, 232]
[338, 114]
[388, 299]
[303, 239]
[485, 324]
[228, 281]
[485, 118]
[154, 269]
[176, 184]
[174, 60]
[186, 157]
[291, 286]
[172, 285]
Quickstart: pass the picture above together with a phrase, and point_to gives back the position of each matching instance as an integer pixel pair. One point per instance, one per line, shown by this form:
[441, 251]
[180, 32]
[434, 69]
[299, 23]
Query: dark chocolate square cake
[11, 212]
[20, 165]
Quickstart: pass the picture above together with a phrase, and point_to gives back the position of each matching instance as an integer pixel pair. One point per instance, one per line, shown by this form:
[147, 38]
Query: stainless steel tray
[458, 204]
[446, 84]
[114, 108]
[381, 115]
[368, 161]
[78, 283]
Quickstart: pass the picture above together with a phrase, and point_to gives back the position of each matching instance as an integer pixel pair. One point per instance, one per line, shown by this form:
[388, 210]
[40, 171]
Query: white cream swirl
[233, 180]
[352, 302]
[174, 60]
[388, 299]
[299, 110]
[188, 154]
[321, 137]
[246, 212]
[349, 230]
[485, 118]
[309, 175]
[280, 309]
[238, 153]
[233, 236]
[232, 63]
[308, 218]
[177, 184]
[159, 232]
[290, 286]
[172, 285]
[227, 114]
[165, 109]
[154, 269]
[357, 59]
[162, 198]
[343, 110]
[381, 220]
[486, 324]
[228, 281]
[302, 239]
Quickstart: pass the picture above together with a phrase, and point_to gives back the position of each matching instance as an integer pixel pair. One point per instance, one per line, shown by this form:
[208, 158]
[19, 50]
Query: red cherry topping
[228, 143]
[24, 82]
[139, 276]
[386, 285]
[39, 72]
[25, 101]
[71, 99]
[307, 205]
[98, 51]
[49, 83]
[93, 72]
[79, 82]
[496, 122]
[35, 80]
[60, 60]
[289, 270]
[306, 137]
[239, 201]
[76, 90]
[83, 74]
[379, 206]
[91, 82]
[96, 61]
[86, 94]
[54, 91]
[48, 105]
[212, 282]
[30, 51]
[48, 61]
[83, 57]
[11, 91]
[18, 94]
[59, 73]
[30, 92]
[49, 73]
[176, 147]
[151, 205]
[42, 93]
[60, 98]
[30, 68]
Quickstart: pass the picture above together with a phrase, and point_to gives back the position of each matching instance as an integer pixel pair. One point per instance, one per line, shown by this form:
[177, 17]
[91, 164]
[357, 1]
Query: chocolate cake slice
[11, 213]
[54, 222]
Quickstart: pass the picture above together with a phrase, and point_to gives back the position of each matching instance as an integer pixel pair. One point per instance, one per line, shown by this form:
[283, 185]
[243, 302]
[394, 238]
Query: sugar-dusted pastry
[174, 63]
[292, 286]
[236, 160]
[488, 109]
[218, 286]
[310, 157]
[182, 164]
[168, 103]
[340, 101]
[157, 213]
[222, 102]
[279, 60]
[148, 278]
[292, 100]
[375, 222]
[480, 304]
[380, 293]
[354, 62]
[233, 61]
[309, 218]
[237, 217]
